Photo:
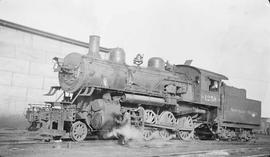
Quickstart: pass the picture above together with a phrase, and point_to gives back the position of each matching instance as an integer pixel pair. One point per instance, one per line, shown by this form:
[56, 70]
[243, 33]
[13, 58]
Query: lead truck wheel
[78, 131]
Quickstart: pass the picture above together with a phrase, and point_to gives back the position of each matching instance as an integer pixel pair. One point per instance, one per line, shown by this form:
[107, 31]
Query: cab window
[214, 85]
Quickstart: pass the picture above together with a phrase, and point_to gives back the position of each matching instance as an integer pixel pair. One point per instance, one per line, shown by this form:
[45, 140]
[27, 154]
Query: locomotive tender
[177, 101]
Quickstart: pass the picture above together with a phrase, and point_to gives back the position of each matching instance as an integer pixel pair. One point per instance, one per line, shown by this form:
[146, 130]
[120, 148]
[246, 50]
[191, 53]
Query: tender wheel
[185, 135]
[78, 131]
[164, 134]
[147, 134]
[167, 118]
[150, 117]
[245, 135]
[225, 133]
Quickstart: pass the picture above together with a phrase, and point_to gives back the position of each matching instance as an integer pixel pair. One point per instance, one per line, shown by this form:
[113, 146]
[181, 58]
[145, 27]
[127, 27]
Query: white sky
[231, 37]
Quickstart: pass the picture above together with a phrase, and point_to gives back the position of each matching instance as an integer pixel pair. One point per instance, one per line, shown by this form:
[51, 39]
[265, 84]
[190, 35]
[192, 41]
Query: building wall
[26, 71]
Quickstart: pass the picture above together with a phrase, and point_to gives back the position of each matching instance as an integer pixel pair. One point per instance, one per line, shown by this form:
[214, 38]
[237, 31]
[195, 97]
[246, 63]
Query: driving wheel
[167, 118]
[150, 117]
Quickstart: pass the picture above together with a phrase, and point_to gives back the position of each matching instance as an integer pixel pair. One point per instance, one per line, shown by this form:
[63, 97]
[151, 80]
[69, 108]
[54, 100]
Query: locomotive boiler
[100, 91]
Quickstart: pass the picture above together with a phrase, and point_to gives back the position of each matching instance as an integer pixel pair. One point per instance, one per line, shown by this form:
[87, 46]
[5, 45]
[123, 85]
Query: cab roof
[207, 73]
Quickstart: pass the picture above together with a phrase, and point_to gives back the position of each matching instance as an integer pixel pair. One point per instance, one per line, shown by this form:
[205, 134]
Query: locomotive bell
[156, 63]
[117, 55]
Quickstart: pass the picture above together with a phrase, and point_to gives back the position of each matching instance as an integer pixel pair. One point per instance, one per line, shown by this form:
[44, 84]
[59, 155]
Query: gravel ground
[19, 143]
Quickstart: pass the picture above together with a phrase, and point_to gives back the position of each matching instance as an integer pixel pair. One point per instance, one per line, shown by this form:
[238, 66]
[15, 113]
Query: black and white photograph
[136, 78]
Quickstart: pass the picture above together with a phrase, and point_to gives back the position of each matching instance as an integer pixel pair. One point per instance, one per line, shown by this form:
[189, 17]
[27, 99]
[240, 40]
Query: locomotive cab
[206, 84]
[210, 87]
[207, 90]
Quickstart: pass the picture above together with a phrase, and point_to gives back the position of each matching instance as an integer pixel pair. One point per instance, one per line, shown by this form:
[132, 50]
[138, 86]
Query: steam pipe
[48, 35]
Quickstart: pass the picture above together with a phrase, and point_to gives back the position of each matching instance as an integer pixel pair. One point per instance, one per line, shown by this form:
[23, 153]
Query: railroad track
[247, 152]
[22, 142]
[50, 141]
[196, 148]
[64, 144]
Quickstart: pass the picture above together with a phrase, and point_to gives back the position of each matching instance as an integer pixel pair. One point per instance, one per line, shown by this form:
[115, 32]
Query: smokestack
[94, 46]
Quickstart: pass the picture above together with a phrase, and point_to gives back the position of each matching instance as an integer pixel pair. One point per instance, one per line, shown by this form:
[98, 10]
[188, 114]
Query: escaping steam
[124, 131]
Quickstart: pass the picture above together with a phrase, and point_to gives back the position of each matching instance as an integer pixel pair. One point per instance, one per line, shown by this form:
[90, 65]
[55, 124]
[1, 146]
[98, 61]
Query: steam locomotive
[173, 101]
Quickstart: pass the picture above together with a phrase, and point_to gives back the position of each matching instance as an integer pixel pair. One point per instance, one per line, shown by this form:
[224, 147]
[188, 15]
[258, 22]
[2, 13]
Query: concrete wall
[26, 71]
